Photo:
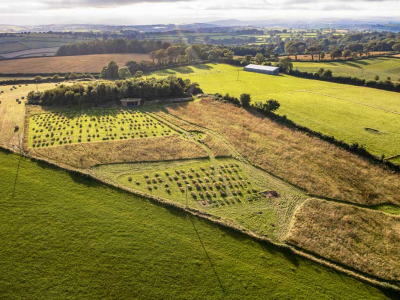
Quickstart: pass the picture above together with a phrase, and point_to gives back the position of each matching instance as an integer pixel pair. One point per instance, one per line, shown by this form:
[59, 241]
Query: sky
[134, 12]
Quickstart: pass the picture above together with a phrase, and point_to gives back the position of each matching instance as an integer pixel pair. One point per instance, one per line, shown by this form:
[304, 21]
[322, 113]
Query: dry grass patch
[85, 155]
[317, 166]
[363, 239]
[12, 113]
[62, 64]
[217, 147]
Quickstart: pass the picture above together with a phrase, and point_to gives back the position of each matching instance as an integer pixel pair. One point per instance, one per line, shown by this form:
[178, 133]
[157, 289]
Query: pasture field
[12, 113]
[32, 53]
[63, 64]
[346, 112]
[10, 45]
[70, 127]
[366, 68]
[107, 244]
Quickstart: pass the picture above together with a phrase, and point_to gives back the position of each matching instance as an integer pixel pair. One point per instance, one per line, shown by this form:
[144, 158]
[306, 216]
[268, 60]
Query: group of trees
[328, 76]
[244, 101]
[99, 93]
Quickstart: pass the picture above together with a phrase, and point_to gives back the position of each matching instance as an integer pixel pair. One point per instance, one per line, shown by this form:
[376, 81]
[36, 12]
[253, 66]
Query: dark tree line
[111, 46]
[99, 93]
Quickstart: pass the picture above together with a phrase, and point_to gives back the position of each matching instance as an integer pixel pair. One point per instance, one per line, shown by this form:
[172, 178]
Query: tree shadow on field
[352, 64]
[203, 67]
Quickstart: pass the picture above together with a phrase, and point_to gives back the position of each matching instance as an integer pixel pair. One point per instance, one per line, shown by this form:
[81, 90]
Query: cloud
[57, 4]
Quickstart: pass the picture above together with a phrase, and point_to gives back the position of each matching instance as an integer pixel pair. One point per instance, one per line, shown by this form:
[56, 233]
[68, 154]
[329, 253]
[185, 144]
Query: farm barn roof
[264, 68]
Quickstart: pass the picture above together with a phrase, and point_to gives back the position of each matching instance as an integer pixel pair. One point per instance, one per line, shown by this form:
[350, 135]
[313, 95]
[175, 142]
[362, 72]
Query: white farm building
[262, 69]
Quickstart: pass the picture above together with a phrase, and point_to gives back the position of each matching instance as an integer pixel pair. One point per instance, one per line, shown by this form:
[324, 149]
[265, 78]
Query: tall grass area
[65, 237]
[343, 111]
[366, 68]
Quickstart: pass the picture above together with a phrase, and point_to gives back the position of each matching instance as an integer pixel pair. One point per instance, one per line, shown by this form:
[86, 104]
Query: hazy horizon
[137, 12]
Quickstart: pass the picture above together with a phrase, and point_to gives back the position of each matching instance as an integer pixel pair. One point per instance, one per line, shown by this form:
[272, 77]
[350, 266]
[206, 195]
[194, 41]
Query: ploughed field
[68, 127]
[366, 116]
[63, 64]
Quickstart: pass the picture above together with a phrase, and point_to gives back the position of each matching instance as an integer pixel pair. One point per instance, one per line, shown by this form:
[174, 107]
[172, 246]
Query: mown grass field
[64, 236]
[69, 127]
[366, 68]
[63, 64]
[343, 111]
[223, 187]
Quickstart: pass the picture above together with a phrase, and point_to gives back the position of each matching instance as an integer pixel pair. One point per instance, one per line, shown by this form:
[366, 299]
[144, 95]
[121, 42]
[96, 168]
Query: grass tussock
[310, 163]
[85, 155]
[366, 240]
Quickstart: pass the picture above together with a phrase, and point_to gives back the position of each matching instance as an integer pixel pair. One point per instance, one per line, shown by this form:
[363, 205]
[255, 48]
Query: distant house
[262, 69]
[131, 102]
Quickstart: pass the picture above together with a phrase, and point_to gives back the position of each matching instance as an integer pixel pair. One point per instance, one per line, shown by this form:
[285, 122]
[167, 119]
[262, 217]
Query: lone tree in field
[38, 78]
[56, 77]
[245, 100]
[259, 58]
[376, 77]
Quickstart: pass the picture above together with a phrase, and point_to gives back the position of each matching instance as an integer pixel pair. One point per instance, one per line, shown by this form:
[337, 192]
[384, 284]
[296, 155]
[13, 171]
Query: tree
[322, 55]
[246, 60]
[38, 78]
[336, 53]
[312, 50]
[191, 53]
[347, 53]
[173, 52]
[124, 72]
[259, 58]
[161, 55]
[285, 64]
[229, 54]
[245, 100]
[56, 77]
[132, 66]
[181, 59]
[376, 77]
[138, 74]
[327, 74]
[110, 71]
[396, 47]
[271, 105]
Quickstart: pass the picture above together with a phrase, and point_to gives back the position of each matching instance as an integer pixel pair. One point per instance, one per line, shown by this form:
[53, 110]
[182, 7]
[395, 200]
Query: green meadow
[365, 68]
[67, 237]
[353, 114]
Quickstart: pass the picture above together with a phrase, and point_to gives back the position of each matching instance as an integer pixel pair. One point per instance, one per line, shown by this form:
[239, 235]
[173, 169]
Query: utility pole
[187, 205]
